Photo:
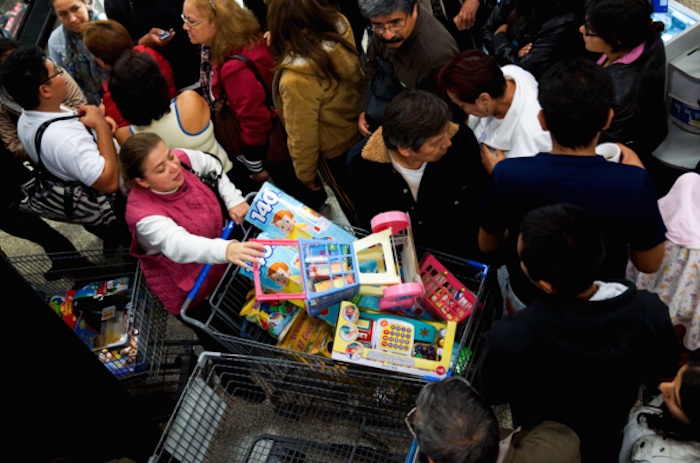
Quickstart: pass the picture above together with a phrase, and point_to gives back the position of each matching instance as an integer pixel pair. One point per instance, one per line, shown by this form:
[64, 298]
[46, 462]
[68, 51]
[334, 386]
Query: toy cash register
[393, 342]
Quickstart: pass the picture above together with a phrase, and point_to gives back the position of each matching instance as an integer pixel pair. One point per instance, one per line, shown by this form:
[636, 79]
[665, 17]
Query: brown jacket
[320, 117]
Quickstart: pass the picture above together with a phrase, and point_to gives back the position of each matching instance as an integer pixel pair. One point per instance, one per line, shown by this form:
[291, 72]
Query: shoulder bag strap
[254, 68]
[41, 169]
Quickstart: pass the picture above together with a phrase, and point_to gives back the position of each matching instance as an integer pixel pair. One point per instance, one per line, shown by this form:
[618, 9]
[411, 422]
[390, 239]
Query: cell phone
[164, 35]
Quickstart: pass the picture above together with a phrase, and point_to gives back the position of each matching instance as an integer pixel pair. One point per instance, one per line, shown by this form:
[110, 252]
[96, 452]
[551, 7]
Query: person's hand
[238, 212]
[244, 254]
[501, 28]
[629, 157]
[490, 157]
[525, 50]
[112, 124]
[152, 38]
[466, 17]
[363, 126]
[91, 116]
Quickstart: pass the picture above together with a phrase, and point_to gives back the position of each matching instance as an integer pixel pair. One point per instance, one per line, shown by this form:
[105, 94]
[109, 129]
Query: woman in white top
[139, 90]
[501, 103]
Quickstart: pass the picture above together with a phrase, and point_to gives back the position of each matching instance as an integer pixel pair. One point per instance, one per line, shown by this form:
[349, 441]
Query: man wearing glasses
[414, 43]
[452, 423]
[68, 150]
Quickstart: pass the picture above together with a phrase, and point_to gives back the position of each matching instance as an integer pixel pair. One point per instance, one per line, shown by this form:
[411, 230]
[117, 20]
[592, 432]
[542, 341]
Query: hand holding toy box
[284, 217]
[394, 342]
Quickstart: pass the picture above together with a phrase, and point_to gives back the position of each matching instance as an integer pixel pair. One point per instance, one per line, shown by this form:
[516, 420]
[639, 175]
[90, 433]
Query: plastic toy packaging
[275, 317]
[284, 217]
[99, 313]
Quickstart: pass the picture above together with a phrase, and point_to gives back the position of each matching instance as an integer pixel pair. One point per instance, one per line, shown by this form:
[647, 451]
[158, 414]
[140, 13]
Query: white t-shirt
[68, 148]
[519, 133]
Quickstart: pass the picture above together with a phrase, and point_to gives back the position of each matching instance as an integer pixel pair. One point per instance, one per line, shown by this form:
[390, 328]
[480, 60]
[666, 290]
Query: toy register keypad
[395, 336]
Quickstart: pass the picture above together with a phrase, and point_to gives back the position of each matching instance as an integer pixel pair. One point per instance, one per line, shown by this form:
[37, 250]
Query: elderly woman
[501, 103]
[421, 162]
[223, 29]
[633, 53]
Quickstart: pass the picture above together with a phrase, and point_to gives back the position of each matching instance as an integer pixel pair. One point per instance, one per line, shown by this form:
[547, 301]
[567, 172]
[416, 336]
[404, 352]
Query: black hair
[139, 88]
[576, 97]
[412, 117]
[22, 73]
[622, 24]
[562, 245]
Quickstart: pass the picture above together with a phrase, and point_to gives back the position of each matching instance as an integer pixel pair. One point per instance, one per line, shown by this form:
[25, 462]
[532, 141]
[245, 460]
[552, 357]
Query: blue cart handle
[205, 270]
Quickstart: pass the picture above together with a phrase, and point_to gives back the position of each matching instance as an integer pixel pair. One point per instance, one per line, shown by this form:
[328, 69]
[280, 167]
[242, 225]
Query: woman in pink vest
[176, 220]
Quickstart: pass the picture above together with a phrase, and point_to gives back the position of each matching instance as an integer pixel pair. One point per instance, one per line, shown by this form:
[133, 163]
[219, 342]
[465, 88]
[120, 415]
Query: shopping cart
[236, 335]
[239, 409]
[140, 356]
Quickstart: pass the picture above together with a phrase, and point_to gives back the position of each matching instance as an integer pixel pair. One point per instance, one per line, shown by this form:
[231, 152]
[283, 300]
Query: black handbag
[383, 87]
[64, 201]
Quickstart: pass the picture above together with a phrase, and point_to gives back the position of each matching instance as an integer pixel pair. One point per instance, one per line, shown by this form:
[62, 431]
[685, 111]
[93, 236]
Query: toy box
[393, 342]
[445, 297]
[275, 317]
[284, 217]
[329, 271]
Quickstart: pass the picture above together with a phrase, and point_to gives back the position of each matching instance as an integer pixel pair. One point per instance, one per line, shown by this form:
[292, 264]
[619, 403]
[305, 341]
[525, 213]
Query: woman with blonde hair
[224, 29]
[315, 91]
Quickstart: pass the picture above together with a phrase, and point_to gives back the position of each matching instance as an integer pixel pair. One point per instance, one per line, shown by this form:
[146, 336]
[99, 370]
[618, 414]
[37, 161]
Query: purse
[277, 150]
[64, 201]
[227, 128]
[211, 180]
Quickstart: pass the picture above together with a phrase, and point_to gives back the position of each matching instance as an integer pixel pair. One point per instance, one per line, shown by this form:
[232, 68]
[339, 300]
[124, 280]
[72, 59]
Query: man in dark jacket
[421, 163]
[580, 352]
[411, 40]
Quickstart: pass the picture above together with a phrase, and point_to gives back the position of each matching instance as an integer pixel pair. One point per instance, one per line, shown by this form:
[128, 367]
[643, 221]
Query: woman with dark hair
[223, 29]
[66, 47]
[501, 103]
[140, 91]
[534, 34]
[632, 52]
[107, 40]
[315, 90]
[668, 429]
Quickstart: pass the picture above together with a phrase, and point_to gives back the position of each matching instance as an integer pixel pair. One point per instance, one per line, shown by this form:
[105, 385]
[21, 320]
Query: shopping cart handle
[205, 270]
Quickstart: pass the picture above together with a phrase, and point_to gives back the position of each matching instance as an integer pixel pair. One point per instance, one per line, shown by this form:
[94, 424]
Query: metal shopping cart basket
[239, 408]
[140, 355]
[236, 335]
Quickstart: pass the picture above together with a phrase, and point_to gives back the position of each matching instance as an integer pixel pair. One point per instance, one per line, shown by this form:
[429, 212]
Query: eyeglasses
[409, 420]
[393, 25]
[191, 23]
[59, 70]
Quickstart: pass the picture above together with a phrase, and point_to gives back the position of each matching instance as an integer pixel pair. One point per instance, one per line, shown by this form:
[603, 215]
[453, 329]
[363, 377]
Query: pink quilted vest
[194, 207]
